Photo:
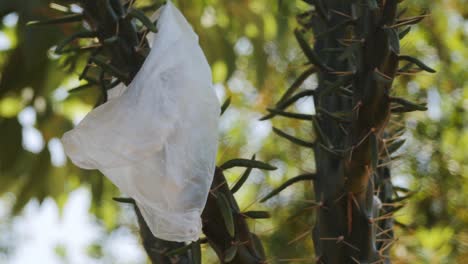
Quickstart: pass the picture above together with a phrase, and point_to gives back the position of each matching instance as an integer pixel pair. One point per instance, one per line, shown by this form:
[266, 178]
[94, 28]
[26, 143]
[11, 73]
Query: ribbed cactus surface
[354, 48]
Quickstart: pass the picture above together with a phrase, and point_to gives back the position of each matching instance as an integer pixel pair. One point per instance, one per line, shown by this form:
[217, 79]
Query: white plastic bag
[157, 139]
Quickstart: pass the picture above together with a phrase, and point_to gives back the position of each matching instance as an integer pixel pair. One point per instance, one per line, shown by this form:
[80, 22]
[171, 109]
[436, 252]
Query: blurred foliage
[252, 51]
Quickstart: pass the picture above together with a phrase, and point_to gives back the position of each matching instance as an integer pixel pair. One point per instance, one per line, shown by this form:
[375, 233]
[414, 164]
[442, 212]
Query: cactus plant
[118, 49]
[355, 52]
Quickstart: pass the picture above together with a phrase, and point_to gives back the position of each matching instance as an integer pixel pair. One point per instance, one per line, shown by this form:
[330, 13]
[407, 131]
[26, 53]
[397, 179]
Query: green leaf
[332, 87]
[290, 115]
[135, 13]
[247, 163]
[225, 105]
[401, 189]
[289, 101]
[402, 12]
[179, 251]
[89, 48]
[332, 29]
[293, 139]
[117, 6]
[406, 106]
[402, 198]
[395, 146]
[111, 11]
[296, 84]
[323, 138]
[303, 177]
[257, 214]
[257, 245]
[404, 32]
[339, 117]
[230, 253]
[242, 179]
[60, 20]
[111, 40]
[350, 51]
[124, 200]
[406, 67]
[393, 40]
[419, 63]
[101, 62]
[196, 252]
[77, 35]
[394, 209]
[405, 109]
[310, 53]
[226, 212]
[81, 88]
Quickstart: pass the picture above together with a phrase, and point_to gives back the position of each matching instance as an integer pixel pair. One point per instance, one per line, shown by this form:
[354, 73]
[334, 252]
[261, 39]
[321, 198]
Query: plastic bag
[157, 139]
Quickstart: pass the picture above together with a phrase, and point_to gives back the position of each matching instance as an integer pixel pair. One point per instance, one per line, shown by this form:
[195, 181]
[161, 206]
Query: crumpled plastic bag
[157, 139]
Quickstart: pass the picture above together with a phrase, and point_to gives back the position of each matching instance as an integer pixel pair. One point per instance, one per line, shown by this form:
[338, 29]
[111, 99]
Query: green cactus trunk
[356, 53]
[116, 56]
